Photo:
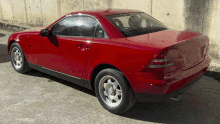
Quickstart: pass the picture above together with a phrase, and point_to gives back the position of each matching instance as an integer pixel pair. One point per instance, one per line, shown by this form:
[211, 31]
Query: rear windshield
[133, 24]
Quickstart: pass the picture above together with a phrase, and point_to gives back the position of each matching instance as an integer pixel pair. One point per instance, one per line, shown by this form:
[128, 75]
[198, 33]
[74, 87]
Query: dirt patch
[2, 35]
[4, 57]
[11, 27]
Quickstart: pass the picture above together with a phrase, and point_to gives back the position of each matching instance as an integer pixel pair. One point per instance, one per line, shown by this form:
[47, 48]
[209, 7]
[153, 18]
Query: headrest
[134, 21]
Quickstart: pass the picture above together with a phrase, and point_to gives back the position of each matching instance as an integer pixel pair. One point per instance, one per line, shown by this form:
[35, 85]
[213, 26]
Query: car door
[73, 40]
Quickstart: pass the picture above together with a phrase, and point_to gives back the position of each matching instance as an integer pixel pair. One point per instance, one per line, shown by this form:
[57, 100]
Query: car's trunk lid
[192, 50]
[190, 46]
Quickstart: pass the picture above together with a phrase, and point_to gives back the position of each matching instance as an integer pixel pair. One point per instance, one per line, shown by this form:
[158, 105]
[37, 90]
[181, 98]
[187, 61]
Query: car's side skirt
[70, 78]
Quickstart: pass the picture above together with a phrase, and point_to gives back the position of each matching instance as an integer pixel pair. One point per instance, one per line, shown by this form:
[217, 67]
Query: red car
[124, 55]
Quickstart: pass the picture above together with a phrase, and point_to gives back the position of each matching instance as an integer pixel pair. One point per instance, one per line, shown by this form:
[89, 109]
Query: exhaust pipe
[176, 97]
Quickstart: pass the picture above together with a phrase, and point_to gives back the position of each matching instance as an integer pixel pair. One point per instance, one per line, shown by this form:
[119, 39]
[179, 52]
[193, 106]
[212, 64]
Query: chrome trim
[161, 66]
[61, 73]
[176, 98]
[68, 15]
[78, 37]
[163, 60]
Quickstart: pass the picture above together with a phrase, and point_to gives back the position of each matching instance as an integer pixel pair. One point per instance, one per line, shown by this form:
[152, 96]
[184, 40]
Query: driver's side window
[83, 26]
[63, 27]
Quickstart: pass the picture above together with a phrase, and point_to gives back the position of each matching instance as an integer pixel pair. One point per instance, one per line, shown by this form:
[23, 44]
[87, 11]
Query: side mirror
[100, 33]
[44, 33]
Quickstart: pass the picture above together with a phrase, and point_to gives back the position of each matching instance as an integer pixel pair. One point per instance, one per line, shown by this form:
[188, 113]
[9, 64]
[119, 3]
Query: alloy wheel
[110, 91]
[16, 57]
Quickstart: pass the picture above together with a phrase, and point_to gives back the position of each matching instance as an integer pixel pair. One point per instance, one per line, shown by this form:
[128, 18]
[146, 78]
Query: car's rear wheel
[18, 59]
[113, 91]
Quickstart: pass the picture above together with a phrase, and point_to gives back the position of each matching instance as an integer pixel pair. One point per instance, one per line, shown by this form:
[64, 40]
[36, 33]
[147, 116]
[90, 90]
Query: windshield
[133, 24]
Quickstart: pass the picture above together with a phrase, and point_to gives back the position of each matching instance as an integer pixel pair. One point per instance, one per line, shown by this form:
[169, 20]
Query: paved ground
[39, 98]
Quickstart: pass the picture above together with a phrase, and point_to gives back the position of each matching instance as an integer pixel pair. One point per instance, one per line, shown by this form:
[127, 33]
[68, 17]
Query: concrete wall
[170, 12]
[0, 11]
[143, 5]
[196, 15]
[211, 27]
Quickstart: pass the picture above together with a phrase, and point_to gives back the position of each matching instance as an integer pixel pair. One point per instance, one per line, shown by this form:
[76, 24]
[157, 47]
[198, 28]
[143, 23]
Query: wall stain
[207, 27]
[193, 14]
[110, 3]
[198, 19]
[25, 11]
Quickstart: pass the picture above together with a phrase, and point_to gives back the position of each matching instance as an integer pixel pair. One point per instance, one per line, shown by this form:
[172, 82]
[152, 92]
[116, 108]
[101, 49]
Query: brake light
[206, 52]
[163, 61]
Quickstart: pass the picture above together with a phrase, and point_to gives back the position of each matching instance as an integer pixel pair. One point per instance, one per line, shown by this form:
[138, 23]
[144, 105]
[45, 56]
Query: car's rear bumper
[156, 90]
[145, 97]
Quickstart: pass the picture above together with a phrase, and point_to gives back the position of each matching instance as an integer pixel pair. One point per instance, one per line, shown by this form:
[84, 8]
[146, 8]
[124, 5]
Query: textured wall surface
[48, 7]
[212, 27]
[143, 5]
[68, 6]
[19, 11]
[170, 12]
[196, 15]
[34, 12]
[7, 12]
[0, 10]
[96, 4]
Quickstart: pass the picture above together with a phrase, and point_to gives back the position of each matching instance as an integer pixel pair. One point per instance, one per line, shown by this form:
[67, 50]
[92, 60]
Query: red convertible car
[124, 55]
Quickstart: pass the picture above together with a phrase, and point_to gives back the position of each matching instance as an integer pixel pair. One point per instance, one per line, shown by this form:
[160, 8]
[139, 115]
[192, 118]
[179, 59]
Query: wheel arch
[102, 66]
[10, 43]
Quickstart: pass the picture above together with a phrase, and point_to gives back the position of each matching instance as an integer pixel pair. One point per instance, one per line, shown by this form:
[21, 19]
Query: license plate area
[192, 56]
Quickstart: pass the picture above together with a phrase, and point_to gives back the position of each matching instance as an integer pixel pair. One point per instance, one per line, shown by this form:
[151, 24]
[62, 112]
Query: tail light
[205, 48]
[163, 62]
[206, 52]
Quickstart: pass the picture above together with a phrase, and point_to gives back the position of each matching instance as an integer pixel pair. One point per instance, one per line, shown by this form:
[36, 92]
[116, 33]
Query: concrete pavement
[38, 98]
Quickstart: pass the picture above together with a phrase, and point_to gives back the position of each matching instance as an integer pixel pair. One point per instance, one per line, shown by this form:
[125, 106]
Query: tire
[18, 60]
[113, 91]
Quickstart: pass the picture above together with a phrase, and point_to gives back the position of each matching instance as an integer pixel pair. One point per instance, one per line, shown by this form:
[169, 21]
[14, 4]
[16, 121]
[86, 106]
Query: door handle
[79, 46]
[83, 44]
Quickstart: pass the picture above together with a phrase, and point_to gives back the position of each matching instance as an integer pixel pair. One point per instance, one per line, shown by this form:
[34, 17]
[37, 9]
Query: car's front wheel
[18, 59]
[113, 91]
